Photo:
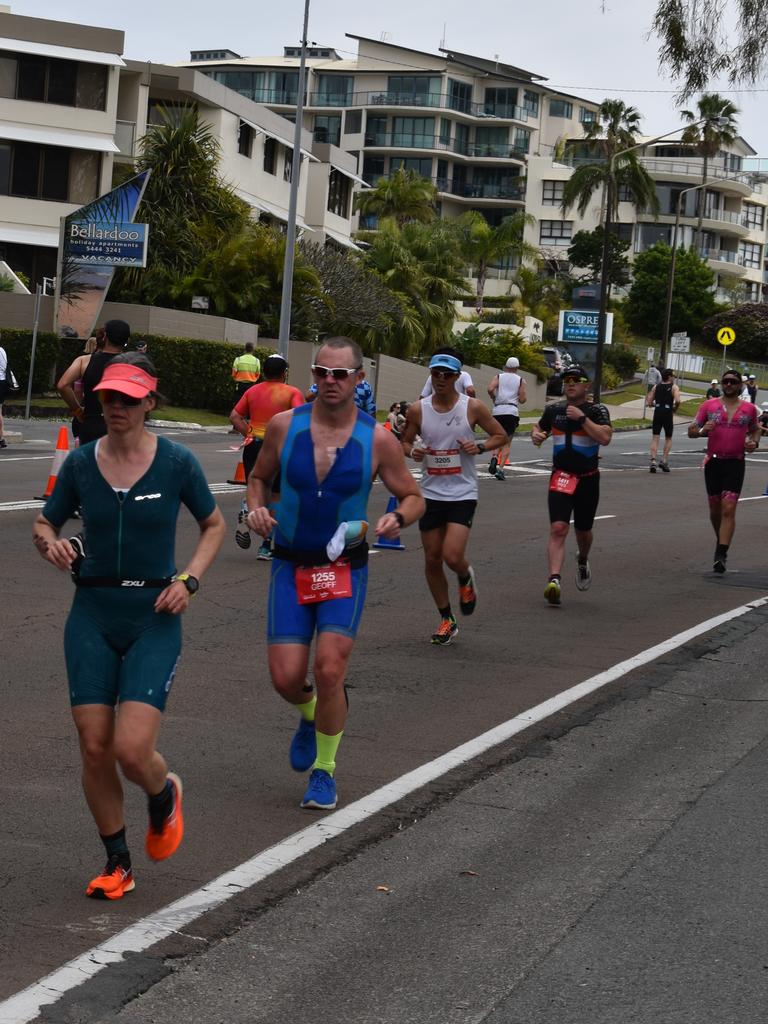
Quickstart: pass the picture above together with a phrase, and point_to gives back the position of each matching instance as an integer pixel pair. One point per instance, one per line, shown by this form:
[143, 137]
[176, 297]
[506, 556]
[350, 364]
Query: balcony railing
[694, 167]
[723, 256]
[417, 140]
[480, 189]
[125, 137]
[434, 100]
[281, 97]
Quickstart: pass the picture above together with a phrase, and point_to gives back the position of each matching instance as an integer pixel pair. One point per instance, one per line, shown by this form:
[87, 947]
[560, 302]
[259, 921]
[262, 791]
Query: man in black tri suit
[578, 428]
[664, 398]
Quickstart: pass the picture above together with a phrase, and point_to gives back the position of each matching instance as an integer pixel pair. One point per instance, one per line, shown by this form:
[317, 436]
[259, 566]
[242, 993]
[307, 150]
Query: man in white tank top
[446, 422]
[507, 389]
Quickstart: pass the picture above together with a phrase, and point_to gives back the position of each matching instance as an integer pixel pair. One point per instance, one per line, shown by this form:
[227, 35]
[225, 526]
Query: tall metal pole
[38, 294]
[290, 236]
[605, 268]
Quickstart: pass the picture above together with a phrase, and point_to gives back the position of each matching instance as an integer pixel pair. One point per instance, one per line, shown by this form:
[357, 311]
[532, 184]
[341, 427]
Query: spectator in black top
[92, 426]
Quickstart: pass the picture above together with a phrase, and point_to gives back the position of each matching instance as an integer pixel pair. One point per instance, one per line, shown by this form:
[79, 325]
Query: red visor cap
[128, 380]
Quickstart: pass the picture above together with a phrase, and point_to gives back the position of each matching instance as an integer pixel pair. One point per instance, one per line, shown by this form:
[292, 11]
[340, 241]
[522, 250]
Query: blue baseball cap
[443, 361]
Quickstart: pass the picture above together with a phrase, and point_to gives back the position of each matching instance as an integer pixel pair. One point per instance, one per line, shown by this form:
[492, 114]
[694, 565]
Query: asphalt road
[227, 734]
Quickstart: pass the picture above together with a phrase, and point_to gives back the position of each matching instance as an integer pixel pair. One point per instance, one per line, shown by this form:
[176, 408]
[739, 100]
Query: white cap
[751, 377]
[713, 381]
[744, 377]
[512, 363]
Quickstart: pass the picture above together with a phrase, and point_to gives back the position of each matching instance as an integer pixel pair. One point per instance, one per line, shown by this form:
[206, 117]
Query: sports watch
[481, 447]
[192, 583]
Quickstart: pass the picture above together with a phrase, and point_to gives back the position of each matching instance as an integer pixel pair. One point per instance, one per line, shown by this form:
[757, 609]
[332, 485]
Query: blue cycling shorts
[289, 622]
[118, 648]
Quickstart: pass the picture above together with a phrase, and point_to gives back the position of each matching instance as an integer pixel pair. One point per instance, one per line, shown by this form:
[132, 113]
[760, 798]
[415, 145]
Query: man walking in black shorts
[578, 429]
[664, 398]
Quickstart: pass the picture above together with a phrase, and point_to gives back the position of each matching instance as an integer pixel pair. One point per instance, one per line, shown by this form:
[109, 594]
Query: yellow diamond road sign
[726, 335]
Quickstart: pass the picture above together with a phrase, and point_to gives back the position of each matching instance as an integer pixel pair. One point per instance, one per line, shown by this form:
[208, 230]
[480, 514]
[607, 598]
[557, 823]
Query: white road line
[20, 506]
[25, 1006]
[23, 458]
[758, 497]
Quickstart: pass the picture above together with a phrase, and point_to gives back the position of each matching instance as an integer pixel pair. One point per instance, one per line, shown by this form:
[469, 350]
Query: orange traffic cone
[62, 451]
[239, 474]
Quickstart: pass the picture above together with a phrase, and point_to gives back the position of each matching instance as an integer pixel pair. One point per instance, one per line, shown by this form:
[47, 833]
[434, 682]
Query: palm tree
[404, 196]
[482, 246]
[709, 129]
[613, 131]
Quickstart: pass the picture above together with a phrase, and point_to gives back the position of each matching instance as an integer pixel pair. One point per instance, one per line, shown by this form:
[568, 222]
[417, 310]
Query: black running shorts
[662, 420]
[440, 513]
[508, 423]
[582, 504]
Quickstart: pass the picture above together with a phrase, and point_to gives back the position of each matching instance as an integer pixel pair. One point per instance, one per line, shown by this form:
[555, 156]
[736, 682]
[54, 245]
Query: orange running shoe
[113, 883]
[160, 845]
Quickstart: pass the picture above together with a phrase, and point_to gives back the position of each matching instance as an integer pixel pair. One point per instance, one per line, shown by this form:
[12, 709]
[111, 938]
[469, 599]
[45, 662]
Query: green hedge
[192, 373]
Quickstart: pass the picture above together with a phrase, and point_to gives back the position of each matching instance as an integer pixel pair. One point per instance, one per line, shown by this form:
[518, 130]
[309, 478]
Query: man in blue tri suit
[328, 453]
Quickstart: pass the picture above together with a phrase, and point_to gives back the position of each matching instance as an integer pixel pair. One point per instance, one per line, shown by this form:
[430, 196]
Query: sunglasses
[336, 372]
[731, 381]
[443, 374]
[118, 398]
[575, 380]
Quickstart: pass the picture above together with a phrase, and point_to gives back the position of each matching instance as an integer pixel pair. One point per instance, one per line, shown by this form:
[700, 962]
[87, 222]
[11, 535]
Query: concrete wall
[18, 310]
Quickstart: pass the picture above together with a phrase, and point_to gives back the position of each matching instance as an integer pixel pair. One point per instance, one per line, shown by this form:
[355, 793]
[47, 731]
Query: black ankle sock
[446, 613]
[555, 576]
[160, 806]
[115, 845]
[582, 559]
[721, 551]
[464, 580]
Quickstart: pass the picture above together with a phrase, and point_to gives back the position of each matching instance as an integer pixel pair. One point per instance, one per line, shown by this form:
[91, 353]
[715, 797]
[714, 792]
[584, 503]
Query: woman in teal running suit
[123, 635]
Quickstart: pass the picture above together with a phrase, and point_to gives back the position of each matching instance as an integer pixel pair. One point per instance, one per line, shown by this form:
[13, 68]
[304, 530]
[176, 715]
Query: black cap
[275, 365]
[117, 331]
[575, 371]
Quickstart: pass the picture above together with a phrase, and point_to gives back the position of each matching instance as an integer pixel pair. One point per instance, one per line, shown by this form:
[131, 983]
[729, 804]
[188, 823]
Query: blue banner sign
[581, 325]
[105, 244]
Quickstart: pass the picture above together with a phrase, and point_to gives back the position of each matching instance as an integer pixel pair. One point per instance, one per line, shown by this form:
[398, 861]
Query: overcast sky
[588, 48]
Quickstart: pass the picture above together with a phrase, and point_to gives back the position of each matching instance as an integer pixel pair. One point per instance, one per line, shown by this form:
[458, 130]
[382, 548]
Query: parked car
[557, 359]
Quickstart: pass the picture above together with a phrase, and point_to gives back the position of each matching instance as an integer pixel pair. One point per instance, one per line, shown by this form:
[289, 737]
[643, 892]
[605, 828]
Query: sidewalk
[617, 873]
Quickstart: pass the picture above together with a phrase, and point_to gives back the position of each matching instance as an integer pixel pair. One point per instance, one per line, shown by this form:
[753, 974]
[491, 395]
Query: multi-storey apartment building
[58, 111]
[734, 204]
[466, 123]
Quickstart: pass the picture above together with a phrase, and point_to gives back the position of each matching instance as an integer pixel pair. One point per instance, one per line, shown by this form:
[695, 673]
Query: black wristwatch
[480, 447]
[192, 583]
[399, 517]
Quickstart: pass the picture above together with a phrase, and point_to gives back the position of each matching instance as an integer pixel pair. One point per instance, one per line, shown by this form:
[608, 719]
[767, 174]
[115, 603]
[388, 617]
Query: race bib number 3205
[323, 582]
[441, 462]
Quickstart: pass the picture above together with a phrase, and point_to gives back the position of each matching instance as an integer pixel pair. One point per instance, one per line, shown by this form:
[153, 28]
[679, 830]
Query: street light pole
[672, 262]
[290, 235]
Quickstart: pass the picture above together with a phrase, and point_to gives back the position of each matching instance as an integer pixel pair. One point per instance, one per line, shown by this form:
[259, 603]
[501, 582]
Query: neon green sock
[307, 710]
[326, 751]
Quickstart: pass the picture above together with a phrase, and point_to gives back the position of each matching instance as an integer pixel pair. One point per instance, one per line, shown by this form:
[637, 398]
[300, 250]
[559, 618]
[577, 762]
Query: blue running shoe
[303, 747]
[321, 791]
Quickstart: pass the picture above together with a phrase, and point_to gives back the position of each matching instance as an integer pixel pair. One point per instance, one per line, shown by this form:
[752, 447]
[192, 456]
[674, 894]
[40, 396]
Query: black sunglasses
[731, 380]
[337, 372]
[443, 374]
[117, 397]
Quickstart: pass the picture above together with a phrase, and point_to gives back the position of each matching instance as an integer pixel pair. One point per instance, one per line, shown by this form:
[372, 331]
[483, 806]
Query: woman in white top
[3, 391]
[507, 389]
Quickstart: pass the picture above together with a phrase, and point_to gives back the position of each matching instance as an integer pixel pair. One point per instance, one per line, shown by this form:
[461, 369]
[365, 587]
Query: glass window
[376, 131]
[416, 132]
[338, 193]
[244, 139]
[5, 168]
[84, 171]
[555, 232]
[373, 169]
[552, 193]
[31, 78]
[270, 154]
[751, 254]
[491, 141]
[622, 231]
[328, 128]
[353, 122]
[587, 116]
[283, 87]
[560, 108]
[625, 195]
[531, 102]
[8, 68]
[419, 165]
[501, 102]
[419, 90]
[25, 176]
[288, 165]
[334, 90]
[442, 175]
[55, 178]
[522, 140]
[91, 90]
[753, 215]
[461, 145]
[62, 82]
[445, 131]
[459, 95]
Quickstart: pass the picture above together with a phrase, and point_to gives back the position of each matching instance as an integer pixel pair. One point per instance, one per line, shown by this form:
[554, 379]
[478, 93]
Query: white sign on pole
[650, 354]
[679, 343]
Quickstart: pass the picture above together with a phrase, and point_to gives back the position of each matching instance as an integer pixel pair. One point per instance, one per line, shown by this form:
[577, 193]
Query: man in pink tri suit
[731, 428]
